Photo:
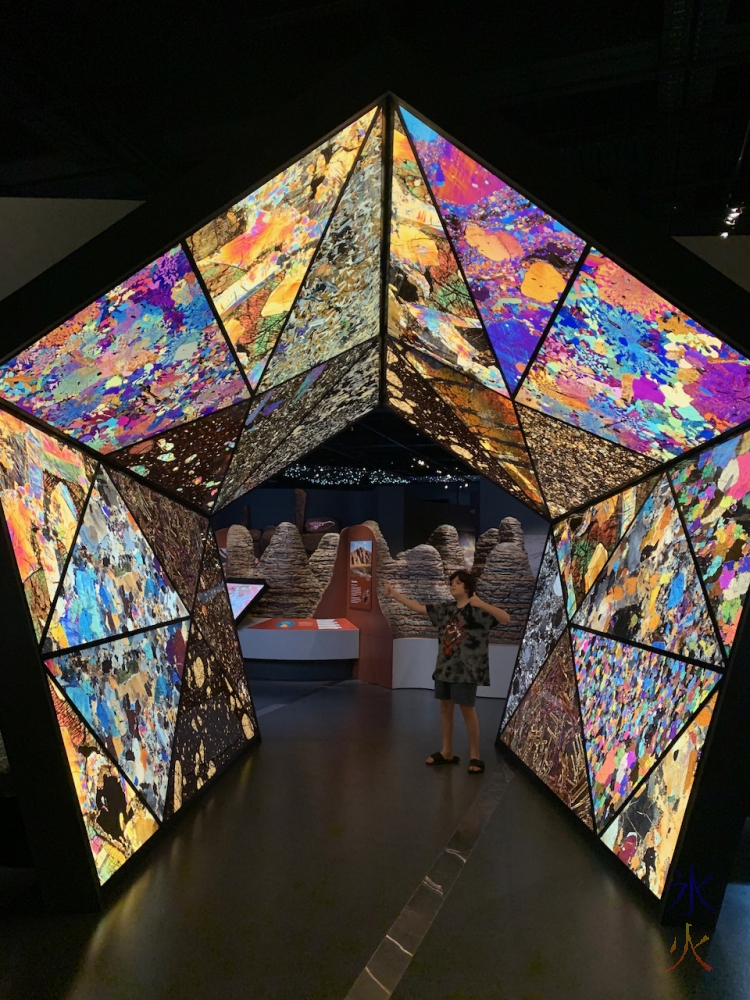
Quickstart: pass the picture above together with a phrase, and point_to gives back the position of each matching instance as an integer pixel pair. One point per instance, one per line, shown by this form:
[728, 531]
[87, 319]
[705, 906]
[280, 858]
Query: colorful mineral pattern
[644, 835]
[621, 362]
[545, 732]
[117, 822]
[517, 259]
[575, 467]
[130, 365]
[633, 703]
[585, 541]
[191, 460]
[274, 413]
[355, 393]
[649, 591]
[339, 302]
[43, 489]
[113, 582]
[216, 720]
[241, 596]
[490, 417]
[411, 396]
[128, 692]
[254, 257]
[713, 491]
[547, 620]
[177, 535]
[429, 303]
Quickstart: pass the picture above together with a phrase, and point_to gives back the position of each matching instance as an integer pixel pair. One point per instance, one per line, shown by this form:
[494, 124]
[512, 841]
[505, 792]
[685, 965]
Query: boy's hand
[476, 602]
[388, 591]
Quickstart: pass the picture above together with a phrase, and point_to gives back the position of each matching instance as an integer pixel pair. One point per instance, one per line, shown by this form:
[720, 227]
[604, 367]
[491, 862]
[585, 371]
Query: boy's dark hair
[467, 579]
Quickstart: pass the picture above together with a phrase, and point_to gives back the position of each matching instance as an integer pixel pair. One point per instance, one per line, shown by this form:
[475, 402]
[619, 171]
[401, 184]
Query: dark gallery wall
[495, 504]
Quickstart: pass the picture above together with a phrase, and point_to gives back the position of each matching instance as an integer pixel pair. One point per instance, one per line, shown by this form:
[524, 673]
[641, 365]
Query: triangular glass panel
[410, 395]
[144, 357]
[574, 466]
[43, 492]
[128, 691]
[545, 732]
[191, 460]
[649, 591]
[339, 302]
[216, 719]
[585, 541]
[213, 615]
[117, 822]
[517, 259]
[547, 620]
[176, 534]
[276, 412]
[429, 304]
[113, 582]
[254, 257]
[644, 835]
[634, 702]
[622, 362]
[353, 394]
[713, 491]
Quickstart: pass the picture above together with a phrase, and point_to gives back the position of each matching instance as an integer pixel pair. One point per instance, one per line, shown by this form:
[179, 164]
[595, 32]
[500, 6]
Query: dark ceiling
[649, 100]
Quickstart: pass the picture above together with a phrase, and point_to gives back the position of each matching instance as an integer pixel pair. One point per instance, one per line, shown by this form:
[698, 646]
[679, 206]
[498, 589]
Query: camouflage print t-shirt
[462, 643]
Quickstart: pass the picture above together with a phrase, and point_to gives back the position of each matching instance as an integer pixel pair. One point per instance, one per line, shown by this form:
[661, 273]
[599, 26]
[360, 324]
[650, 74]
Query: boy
[463, 628]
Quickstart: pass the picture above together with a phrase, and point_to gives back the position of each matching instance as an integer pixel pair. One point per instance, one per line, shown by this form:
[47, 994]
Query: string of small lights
[337, 475]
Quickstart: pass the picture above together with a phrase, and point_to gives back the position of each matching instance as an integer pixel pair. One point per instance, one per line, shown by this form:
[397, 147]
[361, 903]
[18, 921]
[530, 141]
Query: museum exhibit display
[385, 267]
[242, 593]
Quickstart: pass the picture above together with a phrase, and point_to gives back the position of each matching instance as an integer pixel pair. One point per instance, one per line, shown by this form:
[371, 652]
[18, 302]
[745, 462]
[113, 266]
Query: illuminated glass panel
[573, 466]
[253, 258]
[517, 259]
[545, 732]
[649, 591]
[713, 491]
[128, 692]
[354, 393]
[547, 619]
[339, 302]
[622, 362]
[242, 595]
[190, 460]
[213, 612]
[585, 541]
[216, 719]
[131, 364]
[113, 582]
[275, 412]
[490, 417]
[633, 702]
[429, 304]
[644, 835]
[43, 490]
[176, 534]
[117, 822]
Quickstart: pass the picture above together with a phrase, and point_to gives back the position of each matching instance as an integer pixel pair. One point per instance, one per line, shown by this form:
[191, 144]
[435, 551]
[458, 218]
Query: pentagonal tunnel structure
[385, 266]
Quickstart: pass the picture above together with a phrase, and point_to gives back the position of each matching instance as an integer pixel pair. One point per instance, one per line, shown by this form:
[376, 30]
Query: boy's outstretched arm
[406, 601]
[497, 613]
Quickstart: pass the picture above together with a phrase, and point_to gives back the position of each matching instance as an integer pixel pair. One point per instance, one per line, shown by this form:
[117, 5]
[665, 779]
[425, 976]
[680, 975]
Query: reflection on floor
[286, 877]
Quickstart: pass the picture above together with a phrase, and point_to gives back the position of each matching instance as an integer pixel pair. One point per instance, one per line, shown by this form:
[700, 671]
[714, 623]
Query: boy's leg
[472, 730]
[446, 729]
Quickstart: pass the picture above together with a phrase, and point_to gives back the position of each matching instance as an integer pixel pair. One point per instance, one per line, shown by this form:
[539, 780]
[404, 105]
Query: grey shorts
[459, 694]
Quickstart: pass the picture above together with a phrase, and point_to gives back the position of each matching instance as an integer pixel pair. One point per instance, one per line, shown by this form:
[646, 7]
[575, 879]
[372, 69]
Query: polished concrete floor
[286, 877]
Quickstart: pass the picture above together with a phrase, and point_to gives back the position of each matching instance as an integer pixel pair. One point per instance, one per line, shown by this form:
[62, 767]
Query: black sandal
[437, 758]
[478, 764]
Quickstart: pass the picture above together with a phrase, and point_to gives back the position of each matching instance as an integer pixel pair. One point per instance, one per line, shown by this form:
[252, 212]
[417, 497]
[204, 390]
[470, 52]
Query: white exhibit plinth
[414, 662]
